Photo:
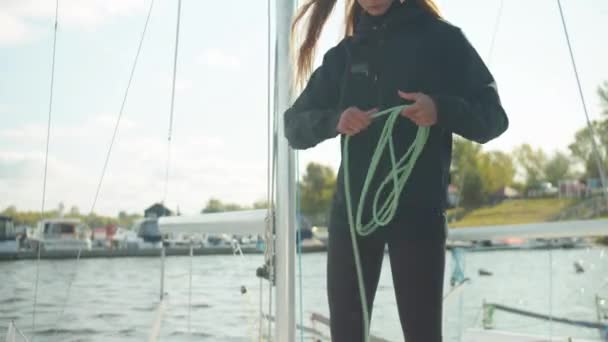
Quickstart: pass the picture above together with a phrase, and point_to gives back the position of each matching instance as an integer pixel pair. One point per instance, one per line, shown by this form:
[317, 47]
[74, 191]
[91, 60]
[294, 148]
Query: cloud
[203, 165]
[13, 166]
[182, 84]
[21, 178]
[21, 165]
[14, 30]
[98, 124]
[218, 59]
[24, 20]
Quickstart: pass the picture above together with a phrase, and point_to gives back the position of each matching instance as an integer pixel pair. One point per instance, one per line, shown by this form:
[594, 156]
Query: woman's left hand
[423, 112]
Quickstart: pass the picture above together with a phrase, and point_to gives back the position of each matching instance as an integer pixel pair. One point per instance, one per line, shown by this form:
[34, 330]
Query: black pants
[417, 267]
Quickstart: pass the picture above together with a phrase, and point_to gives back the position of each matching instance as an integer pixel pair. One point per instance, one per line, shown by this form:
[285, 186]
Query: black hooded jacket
[410, 50]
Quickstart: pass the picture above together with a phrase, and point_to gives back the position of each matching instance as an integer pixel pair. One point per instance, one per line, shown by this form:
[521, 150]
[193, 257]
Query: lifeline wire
[190, 288]
[598, 158]
[169, 136]
[495, 32]
[46, 160]
[67, 295]
[120, 113]
[122, 107]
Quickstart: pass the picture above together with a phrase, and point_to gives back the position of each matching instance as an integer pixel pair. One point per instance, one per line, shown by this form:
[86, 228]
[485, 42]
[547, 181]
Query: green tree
[31, 218]
[496, 171]
[260, 204]
[74, 212]
[602, 92]
[479, 174]
[465, 155]
[233, 207]
[122, 215]
[558, 168]
[10, 211]
[214, 205]
[582, 147]
[533, 162]
[472, 194]
[126, 220]
[316, 191]
[93, 220]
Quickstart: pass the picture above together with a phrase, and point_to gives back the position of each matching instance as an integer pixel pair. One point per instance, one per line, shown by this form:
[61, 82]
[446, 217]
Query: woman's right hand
[354, 120]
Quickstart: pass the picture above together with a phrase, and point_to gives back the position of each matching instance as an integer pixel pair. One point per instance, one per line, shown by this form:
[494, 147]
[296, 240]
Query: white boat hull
[9, 247]
[62, 244]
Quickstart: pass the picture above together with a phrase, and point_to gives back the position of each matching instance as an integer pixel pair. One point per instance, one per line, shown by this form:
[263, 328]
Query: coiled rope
[384, 212]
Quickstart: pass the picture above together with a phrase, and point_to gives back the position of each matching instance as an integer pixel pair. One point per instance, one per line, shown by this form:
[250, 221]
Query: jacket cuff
[445, 117]
[332, 124]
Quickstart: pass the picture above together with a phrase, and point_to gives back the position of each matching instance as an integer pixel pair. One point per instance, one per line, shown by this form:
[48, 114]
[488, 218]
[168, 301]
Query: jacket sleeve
[314, 115]
[475, 112]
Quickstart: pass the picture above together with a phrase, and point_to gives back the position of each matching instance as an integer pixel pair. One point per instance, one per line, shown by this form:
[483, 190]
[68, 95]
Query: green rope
[384, 212]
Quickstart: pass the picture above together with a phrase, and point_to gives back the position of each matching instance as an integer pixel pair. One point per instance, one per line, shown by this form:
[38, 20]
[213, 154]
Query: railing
[528, 284]
[248, 222]
[14, 334]
[530, 292]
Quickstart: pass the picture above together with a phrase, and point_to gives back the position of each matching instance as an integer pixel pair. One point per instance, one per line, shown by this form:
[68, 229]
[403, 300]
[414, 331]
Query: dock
[140, 252]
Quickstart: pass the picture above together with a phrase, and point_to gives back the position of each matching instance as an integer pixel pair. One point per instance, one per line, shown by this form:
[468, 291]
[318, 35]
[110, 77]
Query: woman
[394, 53]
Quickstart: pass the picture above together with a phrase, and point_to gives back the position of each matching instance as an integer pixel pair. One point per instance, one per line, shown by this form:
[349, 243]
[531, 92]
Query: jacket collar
[399, 15]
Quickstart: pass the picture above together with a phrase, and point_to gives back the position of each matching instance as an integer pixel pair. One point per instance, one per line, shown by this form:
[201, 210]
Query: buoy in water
[483, 272]
[578, 267]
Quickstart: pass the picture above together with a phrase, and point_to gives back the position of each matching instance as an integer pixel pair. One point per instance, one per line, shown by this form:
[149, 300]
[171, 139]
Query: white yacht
[60, 234]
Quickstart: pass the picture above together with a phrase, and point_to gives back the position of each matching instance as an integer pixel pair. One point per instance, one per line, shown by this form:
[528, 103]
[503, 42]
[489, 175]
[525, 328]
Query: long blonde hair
[313, 23]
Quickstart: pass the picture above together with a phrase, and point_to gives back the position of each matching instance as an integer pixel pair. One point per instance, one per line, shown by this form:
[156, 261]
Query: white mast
[285, 205]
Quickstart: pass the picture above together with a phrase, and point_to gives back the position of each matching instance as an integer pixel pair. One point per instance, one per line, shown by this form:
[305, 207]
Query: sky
[219, 145]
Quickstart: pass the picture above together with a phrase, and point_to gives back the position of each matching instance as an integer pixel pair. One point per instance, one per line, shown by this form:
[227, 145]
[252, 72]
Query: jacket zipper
[378, 89]
[377, 82]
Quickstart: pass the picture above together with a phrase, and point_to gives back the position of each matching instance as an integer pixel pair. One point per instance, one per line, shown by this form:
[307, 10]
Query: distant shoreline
[227, 250]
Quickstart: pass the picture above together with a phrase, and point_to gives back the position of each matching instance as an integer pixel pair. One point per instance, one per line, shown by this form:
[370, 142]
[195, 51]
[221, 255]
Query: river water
[116, 299]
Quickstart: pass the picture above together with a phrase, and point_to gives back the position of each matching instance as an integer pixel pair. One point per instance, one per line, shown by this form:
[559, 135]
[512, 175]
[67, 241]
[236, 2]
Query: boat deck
[479, 335]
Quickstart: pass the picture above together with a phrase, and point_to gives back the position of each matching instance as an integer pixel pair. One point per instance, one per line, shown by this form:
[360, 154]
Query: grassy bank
[513, 212]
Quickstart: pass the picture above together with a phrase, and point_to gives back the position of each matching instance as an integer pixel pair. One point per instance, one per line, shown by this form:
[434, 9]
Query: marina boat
[8, 238]
[125, 239]
[60, 234]
[148, 234]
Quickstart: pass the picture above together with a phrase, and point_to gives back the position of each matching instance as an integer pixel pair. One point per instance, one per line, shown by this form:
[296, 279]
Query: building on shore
[157, 210]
